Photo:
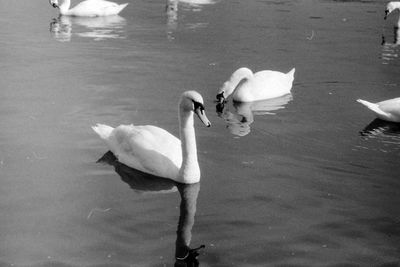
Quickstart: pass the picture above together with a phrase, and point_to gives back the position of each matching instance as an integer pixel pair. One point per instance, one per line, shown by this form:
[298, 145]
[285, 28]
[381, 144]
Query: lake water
[309, 180]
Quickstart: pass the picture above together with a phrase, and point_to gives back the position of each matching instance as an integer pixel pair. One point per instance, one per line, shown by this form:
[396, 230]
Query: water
[312, 181]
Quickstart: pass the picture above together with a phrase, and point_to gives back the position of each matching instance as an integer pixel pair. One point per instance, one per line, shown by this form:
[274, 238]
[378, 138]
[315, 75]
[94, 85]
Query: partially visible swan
[388, 110]
[247, 87]
[88, 8]
[154, 150]
[390, 7]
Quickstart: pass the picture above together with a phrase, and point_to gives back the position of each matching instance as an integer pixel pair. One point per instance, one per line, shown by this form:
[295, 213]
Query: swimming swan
[388, 110]
[247, 87]
[390, 7]
[88, 8]
[153, 150]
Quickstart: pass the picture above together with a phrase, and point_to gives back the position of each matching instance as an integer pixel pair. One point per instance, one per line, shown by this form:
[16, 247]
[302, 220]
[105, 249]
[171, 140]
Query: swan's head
[390, 7]
[53, 3]
[224, 92]
[192, 101]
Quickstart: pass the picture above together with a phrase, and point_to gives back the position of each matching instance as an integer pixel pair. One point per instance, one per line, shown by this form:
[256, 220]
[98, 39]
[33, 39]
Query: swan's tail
[374, 107]
[291, 73]
[369, 105]
[103, 130]
[122, 6]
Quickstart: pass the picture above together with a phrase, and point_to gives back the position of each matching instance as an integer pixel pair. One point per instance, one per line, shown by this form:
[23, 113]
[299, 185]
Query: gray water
[312, 180]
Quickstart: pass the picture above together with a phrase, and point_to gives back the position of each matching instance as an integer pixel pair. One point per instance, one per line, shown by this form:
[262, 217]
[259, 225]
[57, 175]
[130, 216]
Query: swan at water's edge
[154, 150]
[247, 87]
[388, 110]
[88, 8]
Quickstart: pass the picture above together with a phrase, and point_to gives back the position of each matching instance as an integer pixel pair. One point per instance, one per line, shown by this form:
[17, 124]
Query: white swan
[88, 8]
[153, 150]
[388, 110]
[247, 87]
[390, 7]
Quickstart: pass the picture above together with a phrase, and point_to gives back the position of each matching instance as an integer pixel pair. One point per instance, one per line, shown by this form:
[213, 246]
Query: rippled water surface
[310, 179]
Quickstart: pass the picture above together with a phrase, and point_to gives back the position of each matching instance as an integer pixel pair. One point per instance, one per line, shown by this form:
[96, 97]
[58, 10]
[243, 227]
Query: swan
[153, 150]
[390, 7]
[88, 8]
[388, 110]
[247, 87]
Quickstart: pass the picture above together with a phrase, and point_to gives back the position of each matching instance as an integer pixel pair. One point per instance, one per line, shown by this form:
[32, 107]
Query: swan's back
[264, 85]
[386, 110]
[91, 8]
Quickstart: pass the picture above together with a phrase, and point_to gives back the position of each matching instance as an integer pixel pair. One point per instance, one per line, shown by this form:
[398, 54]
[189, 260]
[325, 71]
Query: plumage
[390, 7]
[88, 8]
[388, 110]
[153, 150]
[244, 86]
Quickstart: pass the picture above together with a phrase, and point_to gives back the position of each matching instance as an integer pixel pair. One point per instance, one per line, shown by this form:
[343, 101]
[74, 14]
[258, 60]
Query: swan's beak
[53, 4]
[386, 14]
[202, 115]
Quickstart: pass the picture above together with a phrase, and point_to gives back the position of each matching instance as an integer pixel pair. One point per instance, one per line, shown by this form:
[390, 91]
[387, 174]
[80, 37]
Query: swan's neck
[64, 7]
[235, 79]
[190, 171]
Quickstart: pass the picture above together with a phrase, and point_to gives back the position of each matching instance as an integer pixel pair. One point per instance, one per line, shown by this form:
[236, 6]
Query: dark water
[314, 181]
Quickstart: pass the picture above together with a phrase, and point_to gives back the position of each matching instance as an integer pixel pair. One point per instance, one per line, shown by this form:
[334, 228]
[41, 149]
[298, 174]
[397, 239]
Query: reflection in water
[172, 14]
[390, 49]
[385, 132]
[380, 127]
[98, 28]
[143, 182]
[239, 120]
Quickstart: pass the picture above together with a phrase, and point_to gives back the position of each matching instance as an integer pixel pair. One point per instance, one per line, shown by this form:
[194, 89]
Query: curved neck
[235, 79]
[64, 7]
[189, 171]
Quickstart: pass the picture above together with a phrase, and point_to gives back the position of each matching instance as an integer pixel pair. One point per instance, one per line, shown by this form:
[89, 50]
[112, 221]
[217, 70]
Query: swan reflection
[97, 28]
[380, 127]
[390, 49]
[240, 115]
[144, 183]
[172, 7]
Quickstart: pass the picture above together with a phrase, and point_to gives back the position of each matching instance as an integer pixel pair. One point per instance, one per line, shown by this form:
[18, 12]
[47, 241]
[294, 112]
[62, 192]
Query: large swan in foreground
[88, 8]
[247, 87]
[388, 110]
[153, 150]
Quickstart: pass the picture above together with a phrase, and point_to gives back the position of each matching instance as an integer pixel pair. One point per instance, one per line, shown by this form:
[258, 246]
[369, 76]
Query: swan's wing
[391, 106]
[148, 148]
[264, 85]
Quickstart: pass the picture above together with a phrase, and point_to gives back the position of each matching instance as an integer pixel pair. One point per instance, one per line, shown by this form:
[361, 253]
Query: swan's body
[390, 7]
[247, 87]
[153, 150]
[388, 110]
[88, 8]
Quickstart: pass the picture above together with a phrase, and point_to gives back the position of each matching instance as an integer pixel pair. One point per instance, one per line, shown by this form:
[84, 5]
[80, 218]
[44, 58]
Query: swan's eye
[198, 106]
